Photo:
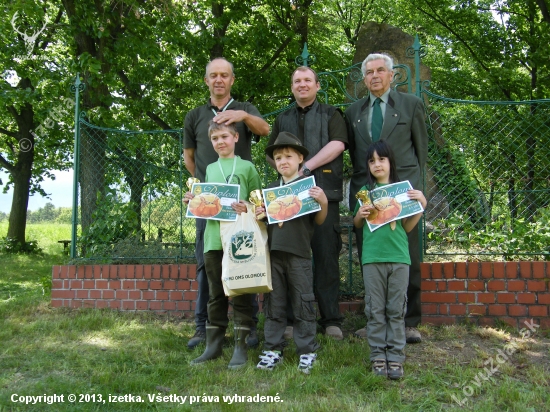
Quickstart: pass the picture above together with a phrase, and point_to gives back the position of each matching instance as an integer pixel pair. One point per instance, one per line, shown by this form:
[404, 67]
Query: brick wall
[483, 292]
[161, 288]
[451, 292]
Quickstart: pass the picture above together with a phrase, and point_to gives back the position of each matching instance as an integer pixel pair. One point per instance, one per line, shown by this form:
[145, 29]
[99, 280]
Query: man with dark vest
[322, 130]
[399, 119]
[198, 153]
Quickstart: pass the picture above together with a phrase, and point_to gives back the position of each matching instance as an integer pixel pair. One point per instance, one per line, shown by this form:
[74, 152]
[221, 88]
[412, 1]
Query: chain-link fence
[488, 178]
[130, 191]
[488, 185]
[487, 182]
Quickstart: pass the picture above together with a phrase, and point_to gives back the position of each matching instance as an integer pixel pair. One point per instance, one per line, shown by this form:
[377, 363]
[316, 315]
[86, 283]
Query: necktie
[377, 120]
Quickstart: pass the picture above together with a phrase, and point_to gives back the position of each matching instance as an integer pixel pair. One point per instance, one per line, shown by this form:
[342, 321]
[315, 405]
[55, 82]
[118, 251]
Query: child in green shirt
[386, 262]
[229, 169]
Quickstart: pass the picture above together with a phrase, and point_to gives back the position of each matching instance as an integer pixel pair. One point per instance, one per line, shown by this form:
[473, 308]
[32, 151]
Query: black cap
[285, 139]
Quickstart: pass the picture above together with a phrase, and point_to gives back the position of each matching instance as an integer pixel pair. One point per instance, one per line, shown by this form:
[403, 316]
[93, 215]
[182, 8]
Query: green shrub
[112, 221]
[511, 238]
[11, 245]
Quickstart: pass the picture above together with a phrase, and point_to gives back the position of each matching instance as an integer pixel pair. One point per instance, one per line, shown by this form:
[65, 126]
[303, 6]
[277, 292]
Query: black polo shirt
[196, 135]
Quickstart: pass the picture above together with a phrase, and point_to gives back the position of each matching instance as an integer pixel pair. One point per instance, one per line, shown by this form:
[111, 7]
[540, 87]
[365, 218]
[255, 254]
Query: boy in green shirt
[230, 169]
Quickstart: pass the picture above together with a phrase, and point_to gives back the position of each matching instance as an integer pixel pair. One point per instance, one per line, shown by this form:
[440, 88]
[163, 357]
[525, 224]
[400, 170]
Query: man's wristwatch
[305, 170]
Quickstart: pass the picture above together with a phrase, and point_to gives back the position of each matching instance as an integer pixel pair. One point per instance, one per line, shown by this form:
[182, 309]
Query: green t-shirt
[384, 245]
[245, 175]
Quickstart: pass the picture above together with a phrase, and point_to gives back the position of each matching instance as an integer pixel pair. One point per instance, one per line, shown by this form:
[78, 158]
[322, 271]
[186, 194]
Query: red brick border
[161, 288]
[485, 292]
[451, 292]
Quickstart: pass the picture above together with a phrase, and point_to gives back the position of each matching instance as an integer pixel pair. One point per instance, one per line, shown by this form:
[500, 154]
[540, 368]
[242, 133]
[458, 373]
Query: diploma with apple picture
[390, 202]
[213, 201]
[290, 201]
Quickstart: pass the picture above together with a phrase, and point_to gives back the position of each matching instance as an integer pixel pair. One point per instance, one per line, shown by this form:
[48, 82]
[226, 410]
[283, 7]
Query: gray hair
[377, 56]
[220, 58]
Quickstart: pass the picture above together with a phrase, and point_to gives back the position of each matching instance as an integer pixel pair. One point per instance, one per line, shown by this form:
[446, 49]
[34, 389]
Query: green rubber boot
[214, 344]
[240, 353]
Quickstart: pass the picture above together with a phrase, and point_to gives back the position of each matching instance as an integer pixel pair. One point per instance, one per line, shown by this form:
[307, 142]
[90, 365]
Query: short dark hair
[383, 150]
[304, 69]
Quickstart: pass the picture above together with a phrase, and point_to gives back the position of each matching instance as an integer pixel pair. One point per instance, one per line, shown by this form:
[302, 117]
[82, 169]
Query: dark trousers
[414, 306]
[201, 312]
[326, 245]
[218, 303]
[293, 274]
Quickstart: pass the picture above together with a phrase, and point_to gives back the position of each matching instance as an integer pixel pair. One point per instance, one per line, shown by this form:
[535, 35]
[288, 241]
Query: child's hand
[417, 195]
[239, 207]
[319, 195]
[187, 197]
[365, 210]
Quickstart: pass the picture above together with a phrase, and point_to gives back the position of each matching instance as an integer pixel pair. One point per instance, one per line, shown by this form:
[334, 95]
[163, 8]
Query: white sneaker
[306, 362]
[269, 360]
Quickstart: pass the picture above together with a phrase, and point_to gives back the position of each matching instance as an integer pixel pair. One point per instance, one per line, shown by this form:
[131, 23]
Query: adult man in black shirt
[198, 153]
[322, 130]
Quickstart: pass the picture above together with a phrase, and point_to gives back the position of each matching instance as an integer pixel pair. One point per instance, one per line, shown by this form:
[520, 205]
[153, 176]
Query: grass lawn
[111, 354]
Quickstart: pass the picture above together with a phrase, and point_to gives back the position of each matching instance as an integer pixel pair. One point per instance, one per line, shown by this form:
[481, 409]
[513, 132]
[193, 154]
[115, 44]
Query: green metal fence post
[305, 59]
[76, 88]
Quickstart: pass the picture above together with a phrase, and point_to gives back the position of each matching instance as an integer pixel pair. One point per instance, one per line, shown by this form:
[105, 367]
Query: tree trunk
[132, 167]
[92, 173]
[302, 20]
[21, 171]
[96, 94]
[21, 186]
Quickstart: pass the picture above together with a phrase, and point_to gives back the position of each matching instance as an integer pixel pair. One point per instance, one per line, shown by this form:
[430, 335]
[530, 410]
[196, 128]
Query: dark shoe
[395, 370]
[198, 337]
[379, 367]
[361, 333]
[240, 355]
[214, 344]
[252, 339]
[412, 335]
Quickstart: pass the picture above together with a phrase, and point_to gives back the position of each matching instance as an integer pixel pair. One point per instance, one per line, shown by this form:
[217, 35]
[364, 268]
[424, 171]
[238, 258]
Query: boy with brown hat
[289, 244]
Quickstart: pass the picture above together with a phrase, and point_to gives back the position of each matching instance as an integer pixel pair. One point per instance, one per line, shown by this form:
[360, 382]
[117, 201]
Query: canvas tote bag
[246, 267]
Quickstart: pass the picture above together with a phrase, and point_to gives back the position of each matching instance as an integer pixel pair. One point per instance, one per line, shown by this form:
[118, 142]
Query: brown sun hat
[285, 139]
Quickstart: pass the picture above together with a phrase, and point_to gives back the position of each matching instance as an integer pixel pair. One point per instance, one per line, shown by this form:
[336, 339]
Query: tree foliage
[143, 65]
[484, 49]
[34, 112]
